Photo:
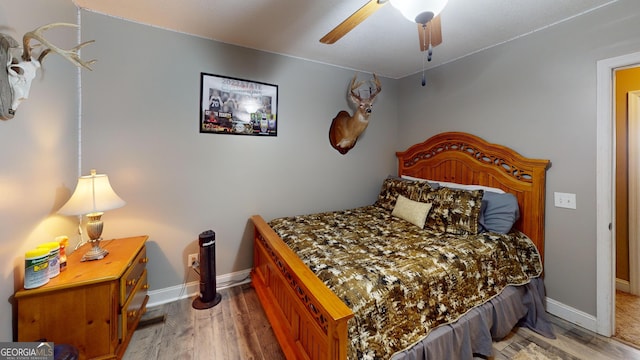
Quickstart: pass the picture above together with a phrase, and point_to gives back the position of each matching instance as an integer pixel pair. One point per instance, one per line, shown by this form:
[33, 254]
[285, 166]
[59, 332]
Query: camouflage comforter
[402, 281]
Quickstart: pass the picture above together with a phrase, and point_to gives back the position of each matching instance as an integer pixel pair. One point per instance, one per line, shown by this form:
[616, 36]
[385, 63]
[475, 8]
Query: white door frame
[605, 191]
[633, 104]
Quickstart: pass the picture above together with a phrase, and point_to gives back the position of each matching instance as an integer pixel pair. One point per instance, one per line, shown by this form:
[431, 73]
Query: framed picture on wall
[237, 106]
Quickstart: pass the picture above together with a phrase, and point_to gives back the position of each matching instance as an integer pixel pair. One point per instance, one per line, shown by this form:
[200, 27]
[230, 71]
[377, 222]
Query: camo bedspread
[402, 281]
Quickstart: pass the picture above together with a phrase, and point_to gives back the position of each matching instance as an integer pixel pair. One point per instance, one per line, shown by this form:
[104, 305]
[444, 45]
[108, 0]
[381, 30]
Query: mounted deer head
[345, 129]
[22, 65]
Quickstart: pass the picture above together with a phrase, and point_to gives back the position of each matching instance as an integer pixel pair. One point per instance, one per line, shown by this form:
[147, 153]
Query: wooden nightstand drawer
[84, 305]
[132, 276]
[134, 307]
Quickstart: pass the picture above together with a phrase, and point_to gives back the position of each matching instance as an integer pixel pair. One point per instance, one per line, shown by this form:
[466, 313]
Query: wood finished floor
[237, 328]
[627, 313]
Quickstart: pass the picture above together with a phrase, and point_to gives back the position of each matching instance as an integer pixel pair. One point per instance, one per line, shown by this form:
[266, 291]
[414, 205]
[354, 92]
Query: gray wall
[38, 149]
[538, 95]
[141, 113]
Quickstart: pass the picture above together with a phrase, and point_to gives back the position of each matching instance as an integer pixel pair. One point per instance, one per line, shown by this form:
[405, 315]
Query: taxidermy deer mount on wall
[345, 129]
[21, 65]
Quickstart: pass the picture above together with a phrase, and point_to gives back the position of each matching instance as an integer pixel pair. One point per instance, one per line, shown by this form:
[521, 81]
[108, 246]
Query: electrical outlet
[193, 260]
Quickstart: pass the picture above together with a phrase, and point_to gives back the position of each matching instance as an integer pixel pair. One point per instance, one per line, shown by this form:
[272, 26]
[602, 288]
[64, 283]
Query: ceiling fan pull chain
[430, 51]
[424, 37]
[424, 78]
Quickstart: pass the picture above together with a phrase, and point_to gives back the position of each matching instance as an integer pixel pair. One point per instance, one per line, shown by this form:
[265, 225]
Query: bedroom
[178, 183]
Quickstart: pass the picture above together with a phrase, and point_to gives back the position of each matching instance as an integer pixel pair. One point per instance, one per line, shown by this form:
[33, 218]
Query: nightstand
[93, 305]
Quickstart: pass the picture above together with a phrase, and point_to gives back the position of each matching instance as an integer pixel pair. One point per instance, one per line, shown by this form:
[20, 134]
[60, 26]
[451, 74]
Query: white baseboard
[571, 315]
[623, 285]
[191, 289]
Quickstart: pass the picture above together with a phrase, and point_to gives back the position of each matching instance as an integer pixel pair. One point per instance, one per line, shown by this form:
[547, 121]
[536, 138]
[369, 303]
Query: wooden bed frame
[310, 321]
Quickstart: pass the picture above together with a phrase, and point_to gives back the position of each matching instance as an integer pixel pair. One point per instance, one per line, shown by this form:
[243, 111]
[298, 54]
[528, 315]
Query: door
[633, 116]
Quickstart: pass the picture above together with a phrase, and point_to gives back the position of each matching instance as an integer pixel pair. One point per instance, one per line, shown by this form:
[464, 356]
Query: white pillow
[414, 212]
[456, 185]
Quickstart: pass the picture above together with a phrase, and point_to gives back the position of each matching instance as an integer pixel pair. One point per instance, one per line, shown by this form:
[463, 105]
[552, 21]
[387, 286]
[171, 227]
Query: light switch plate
[564, 200]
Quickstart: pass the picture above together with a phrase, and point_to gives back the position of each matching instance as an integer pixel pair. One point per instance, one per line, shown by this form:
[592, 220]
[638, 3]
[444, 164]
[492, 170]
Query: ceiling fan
[425, 13]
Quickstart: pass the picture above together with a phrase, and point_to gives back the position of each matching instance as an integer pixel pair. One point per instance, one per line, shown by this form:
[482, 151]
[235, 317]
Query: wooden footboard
[309, 321]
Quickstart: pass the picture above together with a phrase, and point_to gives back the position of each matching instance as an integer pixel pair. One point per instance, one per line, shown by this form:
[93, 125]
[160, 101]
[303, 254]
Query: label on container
[36, 268]
[54, 257]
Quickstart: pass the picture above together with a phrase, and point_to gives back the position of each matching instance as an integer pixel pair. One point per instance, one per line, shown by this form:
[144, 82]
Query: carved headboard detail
[467, 159]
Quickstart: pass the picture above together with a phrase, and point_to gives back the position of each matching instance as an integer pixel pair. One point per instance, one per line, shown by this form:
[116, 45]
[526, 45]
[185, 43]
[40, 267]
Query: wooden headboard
[467, 159]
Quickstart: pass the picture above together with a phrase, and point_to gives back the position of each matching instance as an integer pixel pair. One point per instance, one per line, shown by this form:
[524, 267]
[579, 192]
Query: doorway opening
[606, 226]
[628, 253]
[627, 205]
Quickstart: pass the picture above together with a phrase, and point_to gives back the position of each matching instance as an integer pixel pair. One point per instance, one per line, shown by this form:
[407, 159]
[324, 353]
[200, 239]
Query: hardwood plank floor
[627, 312]
[237, 328]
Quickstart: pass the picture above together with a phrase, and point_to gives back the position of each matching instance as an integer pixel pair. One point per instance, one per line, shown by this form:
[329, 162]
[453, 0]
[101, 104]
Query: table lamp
[93, 195]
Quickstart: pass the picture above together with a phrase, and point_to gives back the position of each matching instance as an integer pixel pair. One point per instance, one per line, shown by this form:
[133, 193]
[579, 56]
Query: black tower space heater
[208, 296]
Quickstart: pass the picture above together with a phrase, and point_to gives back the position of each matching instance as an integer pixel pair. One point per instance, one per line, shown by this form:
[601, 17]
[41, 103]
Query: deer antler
[354, 86]
[372, 94]
[378, 84]
[71, 54]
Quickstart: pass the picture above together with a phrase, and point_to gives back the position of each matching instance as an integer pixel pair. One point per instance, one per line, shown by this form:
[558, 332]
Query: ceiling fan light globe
[418, 10]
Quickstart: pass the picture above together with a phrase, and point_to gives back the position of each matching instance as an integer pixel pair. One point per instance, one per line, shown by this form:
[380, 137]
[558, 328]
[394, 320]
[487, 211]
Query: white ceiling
[385, 43]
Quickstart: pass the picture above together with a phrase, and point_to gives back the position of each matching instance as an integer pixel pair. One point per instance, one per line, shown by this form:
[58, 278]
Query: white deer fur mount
[22, 65]
[345, 129]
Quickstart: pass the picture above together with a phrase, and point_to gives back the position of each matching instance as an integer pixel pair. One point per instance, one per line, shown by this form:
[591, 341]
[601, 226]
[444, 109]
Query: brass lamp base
[96, 252]
[94, 230]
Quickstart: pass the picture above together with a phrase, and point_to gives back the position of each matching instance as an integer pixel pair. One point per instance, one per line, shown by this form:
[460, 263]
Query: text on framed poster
[236, 106]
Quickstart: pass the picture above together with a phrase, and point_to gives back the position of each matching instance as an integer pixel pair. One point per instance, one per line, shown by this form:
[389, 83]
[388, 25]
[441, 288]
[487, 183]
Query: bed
[311, 322]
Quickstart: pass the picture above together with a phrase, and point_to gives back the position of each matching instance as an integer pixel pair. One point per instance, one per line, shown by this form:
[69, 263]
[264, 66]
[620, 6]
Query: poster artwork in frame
[237, 107]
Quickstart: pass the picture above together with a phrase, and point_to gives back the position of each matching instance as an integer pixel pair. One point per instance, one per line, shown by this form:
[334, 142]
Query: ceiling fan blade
[352, 21]
[436, 33]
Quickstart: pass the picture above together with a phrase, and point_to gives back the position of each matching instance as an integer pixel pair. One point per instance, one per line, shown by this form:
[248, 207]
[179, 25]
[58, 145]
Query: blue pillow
[498, 212]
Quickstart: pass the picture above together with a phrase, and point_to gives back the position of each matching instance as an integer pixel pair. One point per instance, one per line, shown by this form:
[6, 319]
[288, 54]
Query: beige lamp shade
[92, 194]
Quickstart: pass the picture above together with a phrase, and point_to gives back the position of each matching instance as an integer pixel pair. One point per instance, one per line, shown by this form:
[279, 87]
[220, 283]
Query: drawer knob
[145, 286]
[144, 260]
[131, 282]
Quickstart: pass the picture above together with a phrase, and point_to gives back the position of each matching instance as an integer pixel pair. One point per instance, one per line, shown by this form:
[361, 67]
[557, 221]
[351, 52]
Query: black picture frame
[234, 106]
